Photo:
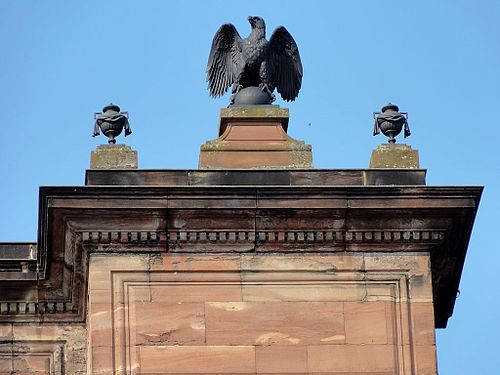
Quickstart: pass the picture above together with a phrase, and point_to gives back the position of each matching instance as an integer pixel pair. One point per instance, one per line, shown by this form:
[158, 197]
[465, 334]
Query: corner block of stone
[113, 157]
[394, 156]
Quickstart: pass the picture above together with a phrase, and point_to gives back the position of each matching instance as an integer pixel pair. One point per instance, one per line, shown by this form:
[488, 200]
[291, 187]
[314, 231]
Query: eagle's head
[257, 22]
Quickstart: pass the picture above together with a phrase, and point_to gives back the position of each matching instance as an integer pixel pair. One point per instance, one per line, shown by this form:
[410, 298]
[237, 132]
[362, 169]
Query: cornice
[77, 221]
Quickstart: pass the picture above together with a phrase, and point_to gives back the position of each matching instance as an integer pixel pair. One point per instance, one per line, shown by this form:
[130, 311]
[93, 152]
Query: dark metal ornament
[390, 122]
[111, 122]
[251, 96]
[254, 63]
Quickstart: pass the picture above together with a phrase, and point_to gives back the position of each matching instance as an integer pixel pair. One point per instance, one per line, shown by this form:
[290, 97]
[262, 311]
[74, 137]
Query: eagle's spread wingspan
[254, 62]
[225, 57]
[285, 64]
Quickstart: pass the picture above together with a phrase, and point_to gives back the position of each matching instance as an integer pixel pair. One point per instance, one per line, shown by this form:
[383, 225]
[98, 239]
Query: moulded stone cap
[253, 114]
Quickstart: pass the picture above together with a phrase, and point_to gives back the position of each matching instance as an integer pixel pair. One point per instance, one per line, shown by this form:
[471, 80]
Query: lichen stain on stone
[271, 338]
[333, 338]
[249, 112]
[158, 338]
[179, 223]
[229, 306]
[198, 322]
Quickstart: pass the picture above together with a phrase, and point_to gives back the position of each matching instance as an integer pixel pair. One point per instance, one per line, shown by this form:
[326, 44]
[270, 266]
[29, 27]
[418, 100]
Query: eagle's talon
[237, 88]
[264, 87]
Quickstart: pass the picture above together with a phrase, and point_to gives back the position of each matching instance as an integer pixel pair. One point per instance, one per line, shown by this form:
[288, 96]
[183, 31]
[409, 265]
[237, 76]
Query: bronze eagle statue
[254, 61]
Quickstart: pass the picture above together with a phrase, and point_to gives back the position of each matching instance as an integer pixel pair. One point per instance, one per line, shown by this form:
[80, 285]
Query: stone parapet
[282, 177]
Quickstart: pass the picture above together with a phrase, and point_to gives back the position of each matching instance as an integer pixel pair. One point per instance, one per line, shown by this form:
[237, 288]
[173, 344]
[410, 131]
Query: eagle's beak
[251, 20]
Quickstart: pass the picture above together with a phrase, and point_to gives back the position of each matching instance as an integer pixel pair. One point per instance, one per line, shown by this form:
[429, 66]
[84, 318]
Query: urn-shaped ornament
[390, 122]
[111, 122]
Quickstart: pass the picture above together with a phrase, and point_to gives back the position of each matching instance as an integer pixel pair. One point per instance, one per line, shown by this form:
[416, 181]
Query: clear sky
[60, 61]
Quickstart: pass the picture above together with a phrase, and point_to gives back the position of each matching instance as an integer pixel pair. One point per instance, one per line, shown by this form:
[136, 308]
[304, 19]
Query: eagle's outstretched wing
[285, 63]
[224, 60]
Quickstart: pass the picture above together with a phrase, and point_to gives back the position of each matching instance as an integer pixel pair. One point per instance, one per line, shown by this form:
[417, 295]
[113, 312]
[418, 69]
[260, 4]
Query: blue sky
[60, 61]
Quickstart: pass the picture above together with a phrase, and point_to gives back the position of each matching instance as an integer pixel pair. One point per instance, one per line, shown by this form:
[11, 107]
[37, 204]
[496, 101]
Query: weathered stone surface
[113, 157]
[394, 156]
[160, 323]
[299, 262]
[101, 359]
[196, 293]
[351, 359]
[281, 359]
[425, 359]
[366, 323]
[148, 276]
[277, 323]
[191, 262]
[42, 349]
[254, 113]
[197, 359]
[242, 313]
[254, 137]
[292, 177]
[317, 292]
[423, 329]
[259, 313]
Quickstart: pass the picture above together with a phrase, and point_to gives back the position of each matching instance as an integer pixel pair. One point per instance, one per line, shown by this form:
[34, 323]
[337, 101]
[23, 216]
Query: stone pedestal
[394, 156]
[254, 137]
[113, 157]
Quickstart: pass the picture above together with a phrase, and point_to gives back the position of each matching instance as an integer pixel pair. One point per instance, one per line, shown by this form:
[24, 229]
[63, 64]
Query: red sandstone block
[310, 262]
[315, 292]
[281, 323]
[425, 359]
[5, 331]
[417, 263]
[101, 358]
[194, 262]
[366, 323]
[281, 359]
[138, 293]
[187, 277]
[351, 359]
[34, 332]
[32, 364]
[175, 293]
[380, 291]
[168, 324]
[197, 360]
[100, 324]
[423, 323]
[100, 296]
[132, 262]
[5, 364]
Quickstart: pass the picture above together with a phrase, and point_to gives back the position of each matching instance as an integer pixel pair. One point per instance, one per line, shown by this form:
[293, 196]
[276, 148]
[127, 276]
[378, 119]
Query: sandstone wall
[346, 313]
[38, 348]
